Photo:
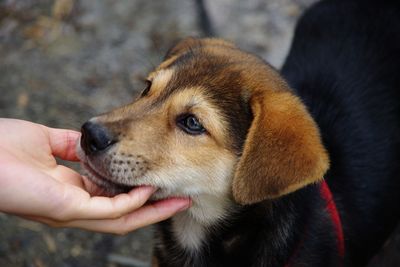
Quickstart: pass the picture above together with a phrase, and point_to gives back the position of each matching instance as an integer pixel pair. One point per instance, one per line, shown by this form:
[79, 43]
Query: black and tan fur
[254, 174]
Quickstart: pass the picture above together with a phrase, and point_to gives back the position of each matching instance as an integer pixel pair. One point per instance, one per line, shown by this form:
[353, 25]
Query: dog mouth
[107, 187]
[101, 184]
[104, 185]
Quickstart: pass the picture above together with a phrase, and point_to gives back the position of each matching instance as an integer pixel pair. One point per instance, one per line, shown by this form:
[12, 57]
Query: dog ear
[282, 151]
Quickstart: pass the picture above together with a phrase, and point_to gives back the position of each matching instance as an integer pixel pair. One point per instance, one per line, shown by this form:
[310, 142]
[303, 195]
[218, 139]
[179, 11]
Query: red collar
[331, 208]
[335, 217]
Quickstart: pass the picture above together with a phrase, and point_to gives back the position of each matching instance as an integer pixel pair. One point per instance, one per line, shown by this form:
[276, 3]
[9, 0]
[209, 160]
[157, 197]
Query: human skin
[34, 186]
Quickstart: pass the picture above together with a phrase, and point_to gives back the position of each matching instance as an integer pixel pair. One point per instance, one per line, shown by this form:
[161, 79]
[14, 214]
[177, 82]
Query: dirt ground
[63, 61]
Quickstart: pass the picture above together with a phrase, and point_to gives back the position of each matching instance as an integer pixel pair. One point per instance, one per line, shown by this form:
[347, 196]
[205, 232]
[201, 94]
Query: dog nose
[95, 138]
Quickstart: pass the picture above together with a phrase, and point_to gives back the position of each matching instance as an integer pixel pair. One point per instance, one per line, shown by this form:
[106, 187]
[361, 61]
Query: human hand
[34, 186]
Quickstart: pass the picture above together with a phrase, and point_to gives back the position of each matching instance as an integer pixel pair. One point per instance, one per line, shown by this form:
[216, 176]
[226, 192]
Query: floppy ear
[282, 151]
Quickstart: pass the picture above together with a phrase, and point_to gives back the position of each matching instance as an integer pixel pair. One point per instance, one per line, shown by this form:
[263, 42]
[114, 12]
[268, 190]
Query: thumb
[63, 142]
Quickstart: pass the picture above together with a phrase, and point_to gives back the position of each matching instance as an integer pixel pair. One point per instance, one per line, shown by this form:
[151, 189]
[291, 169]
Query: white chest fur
[189, 233]
[190, 227]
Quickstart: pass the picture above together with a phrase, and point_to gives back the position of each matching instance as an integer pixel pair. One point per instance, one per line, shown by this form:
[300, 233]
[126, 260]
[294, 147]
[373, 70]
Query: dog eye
[146, 89]
[190, 124]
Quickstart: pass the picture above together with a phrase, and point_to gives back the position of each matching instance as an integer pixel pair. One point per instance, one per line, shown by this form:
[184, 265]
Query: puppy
[293, 169]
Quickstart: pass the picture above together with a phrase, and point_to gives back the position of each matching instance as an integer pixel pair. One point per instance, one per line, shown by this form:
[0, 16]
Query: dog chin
[101, 187]
[161, 194]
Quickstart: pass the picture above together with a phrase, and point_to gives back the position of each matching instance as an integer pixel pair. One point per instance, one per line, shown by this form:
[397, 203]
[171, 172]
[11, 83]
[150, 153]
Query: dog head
[212, 120]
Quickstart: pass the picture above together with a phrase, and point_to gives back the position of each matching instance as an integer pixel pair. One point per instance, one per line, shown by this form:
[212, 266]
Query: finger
[44, 220]
[63, 142]
[147, 215]
[99, 207]
[41, 220]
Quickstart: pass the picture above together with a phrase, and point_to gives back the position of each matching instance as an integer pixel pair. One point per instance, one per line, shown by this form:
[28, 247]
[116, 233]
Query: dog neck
[190, 227]
[213, 229]
[216, 233]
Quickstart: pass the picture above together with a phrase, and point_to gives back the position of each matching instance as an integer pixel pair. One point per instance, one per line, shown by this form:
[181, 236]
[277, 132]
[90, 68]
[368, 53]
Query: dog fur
[253, 173]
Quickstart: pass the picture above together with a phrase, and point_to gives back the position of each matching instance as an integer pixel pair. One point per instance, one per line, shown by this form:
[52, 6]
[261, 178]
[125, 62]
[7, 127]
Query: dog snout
[95, 138]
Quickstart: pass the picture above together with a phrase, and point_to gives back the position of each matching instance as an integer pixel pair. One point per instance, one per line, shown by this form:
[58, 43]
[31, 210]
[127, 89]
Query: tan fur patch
[159, 81]
[195, 100]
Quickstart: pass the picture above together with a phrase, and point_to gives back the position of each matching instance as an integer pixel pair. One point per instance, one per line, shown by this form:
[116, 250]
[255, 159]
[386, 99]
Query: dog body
[221, 126]
[344, 67]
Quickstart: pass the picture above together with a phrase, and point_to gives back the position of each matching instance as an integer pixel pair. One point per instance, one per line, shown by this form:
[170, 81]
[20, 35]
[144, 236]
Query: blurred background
[64, 61]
